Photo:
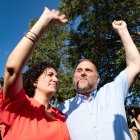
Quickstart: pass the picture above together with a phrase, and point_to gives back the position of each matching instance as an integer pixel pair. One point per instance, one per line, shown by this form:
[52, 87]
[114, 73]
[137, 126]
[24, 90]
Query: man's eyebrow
[84, 68]
[79, 69]
[88, 68]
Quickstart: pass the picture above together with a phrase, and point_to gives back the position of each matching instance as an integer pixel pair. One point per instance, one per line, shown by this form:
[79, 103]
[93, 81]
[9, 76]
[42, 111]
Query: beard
[84, 87]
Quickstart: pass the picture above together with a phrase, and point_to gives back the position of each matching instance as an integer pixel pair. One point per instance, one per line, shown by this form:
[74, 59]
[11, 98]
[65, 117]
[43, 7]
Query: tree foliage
[50, 46]
[91, 34]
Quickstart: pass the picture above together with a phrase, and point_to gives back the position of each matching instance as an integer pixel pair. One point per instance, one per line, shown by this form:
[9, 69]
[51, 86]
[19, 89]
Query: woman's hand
[54, 16]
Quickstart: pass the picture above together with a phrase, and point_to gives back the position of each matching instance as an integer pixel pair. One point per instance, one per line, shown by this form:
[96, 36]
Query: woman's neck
[42, 99]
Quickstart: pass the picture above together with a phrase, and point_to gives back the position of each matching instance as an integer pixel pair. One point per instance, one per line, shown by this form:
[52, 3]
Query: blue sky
[15, 16]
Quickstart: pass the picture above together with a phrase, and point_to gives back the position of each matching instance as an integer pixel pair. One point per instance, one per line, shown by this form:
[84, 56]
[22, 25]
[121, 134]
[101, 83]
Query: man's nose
[83, 73]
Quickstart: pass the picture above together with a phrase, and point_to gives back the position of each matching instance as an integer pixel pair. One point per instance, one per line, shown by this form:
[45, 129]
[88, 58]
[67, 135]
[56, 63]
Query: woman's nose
[55, 79]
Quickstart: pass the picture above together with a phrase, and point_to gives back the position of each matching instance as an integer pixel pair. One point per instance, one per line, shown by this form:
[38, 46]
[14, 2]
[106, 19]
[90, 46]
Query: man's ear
[98, 81]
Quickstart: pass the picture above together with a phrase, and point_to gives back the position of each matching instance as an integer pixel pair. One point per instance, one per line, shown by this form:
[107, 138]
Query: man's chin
[84, 90]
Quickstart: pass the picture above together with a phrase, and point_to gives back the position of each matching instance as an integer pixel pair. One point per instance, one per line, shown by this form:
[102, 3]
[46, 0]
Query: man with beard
[100, 115]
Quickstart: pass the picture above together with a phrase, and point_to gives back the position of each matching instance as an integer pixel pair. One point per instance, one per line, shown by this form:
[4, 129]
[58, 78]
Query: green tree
[52, 47]
[91, 34]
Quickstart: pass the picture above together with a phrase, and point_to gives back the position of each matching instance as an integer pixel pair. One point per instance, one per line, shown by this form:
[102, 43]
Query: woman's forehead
[50, 69]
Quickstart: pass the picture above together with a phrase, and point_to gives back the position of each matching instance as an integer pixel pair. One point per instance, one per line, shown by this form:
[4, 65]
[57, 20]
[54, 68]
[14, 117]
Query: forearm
[17, 59]
[20, 55]
[131, 51]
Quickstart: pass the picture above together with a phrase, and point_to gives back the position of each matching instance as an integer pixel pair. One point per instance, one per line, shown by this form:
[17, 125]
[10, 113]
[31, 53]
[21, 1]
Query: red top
[24, 118]
[0, 96]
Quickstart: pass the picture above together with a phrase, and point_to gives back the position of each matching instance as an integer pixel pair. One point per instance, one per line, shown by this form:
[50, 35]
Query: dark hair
[30, 76]
[1, 81]
[84, 59]
[132, 112]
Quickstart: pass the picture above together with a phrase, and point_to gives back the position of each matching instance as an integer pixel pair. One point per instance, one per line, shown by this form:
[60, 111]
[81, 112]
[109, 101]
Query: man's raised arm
[131, 51]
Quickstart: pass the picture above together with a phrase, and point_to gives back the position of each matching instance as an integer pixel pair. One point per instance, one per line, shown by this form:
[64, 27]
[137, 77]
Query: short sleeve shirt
[100, 117]
[23, 118]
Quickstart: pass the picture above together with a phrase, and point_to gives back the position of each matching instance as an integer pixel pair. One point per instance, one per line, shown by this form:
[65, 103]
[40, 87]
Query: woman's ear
[35, 83]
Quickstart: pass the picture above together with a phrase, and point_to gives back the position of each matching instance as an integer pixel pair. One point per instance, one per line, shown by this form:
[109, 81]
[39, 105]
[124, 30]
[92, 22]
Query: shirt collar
[83, 97]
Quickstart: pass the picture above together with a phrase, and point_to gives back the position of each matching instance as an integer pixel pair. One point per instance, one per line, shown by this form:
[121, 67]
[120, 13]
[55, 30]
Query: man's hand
[119, 25]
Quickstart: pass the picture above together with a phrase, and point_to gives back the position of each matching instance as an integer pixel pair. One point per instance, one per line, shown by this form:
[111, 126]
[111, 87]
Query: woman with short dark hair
[31, 117]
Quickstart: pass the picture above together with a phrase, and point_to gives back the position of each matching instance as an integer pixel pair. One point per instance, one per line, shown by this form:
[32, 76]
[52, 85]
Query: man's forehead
[86, 64]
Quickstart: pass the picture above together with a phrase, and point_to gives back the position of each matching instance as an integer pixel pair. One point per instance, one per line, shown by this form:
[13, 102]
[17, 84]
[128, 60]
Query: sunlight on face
[85, 77]
[47, 83]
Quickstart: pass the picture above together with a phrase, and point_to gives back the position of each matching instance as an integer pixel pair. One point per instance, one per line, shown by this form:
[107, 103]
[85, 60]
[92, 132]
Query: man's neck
[87, 95]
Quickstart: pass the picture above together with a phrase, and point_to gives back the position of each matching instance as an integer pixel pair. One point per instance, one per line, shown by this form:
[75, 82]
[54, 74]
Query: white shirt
[100, 117]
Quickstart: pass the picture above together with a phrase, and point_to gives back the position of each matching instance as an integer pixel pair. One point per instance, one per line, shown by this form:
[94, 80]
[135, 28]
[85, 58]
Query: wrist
[123, 31]
[39, 28]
